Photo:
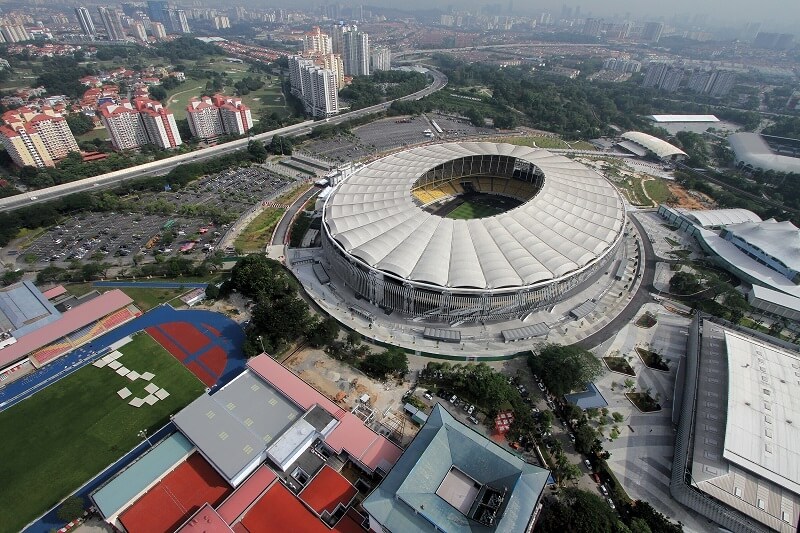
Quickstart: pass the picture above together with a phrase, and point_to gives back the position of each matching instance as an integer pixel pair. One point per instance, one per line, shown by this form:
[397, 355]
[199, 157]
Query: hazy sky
[783, 12]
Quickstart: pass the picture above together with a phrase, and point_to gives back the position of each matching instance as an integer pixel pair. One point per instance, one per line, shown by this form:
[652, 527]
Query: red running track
[190, 338]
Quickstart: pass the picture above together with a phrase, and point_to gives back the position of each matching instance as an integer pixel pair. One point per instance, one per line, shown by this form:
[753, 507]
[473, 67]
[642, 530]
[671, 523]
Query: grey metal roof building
[453, 479]
[753, 151]
[380, 240]
[736, 458]
[234, 427]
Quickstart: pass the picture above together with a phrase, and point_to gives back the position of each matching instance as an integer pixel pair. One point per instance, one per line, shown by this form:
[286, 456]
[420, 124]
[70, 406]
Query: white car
[471, 409]
[587, 463]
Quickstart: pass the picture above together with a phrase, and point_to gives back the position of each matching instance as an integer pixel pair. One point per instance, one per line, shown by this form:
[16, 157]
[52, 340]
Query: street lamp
[261, 341]
[143, 435]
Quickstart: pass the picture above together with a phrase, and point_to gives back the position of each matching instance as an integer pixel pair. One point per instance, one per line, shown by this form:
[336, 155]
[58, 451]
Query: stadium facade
[384, 235]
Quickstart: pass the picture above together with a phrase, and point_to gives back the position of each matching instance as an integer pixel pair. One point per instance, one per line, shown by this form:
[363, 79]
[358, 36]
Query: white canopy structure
[659, 147]
[569, 225]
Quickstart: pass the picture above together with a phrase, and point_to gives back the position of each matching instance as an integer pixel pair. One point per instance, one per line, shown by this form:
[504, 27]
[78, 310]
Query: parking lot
[117, 237]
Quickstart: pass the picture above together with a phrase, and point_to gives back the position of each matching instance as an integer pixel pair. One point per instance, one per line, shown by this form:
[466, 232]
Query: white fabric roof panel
[573, 220]
[658, 146]
[721, 217]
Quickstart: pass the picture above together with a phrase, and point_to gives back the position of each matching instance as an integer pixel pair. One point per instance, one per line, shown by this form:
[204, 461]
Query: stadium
[467, 232]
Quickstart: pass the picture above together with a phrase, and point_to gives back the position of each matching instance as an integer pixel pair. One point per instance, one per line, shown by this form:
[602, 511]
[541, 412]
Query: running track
[230, 339]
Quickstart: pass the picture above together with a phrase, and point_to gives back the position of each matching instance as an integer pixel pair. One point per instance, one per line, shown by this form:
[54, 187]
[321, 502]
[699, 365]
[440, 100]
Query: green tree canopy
[578, 510]
[565, 368]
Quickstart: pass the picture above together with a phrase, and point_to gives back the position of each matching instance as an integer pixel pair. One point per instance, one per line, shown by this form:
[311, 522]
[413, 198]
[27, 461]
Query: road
[641, 297]
[282, 231]
[165, 165]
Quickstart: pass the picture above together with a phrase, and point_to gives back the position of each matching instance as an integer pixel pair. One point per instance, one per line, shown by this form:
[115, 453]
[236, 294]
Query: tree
[684, 283]
[157, 92]
[71, 508]
[12, 276]
[212, 291]
[380, 365]
[324, 332]
[586, 441]
[79, 123]
[257, 151]
[629, 384]
[578, 510]
[641, 511]
[565, 368]
[618, 418]
[280, 145]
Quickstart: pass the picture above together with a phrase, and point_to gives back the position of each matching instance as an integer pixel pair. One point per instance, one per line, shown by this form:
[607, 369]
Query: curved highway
[165, 165]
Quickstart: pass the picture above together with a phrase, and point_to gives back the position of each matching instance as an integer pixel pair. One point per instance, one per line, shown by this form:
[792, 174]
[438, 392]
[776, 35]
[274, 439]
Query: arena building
[469, 231]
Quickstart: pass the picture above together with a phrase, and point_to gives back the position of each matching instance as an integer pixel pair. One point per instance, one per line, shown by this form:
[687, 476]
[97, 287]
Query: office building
[315, 85]
[86, 22]
[111, 23]
[652, 32]
[316, 42]
[132, 125]
[356, 53]
[210, 117]
[380, 58]
[36, 138]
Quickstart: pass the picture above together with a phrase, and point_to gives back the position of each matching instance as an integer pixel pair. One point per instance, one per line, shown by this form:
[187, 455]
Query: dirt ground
[690, 199]
[233, 306]
[335, 380]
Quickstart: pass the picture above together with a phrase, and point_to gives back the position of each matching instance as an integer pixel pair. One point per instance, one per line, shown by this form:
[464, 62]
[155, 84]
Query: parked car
[572, 437]
[453, 399]
[473, 420]
[611, 503]
[471, 409]
[428, 395]
[541, 387]
[588, 464]
[603, 489]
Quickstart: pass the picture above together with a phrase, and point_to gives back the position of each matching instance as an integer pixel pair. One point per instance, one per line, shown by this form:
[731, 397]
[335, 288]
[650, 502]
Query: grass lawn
[146, 299]
[99, 133]
[257, 234]
[469, 210]
[657, 190]
[62, 436]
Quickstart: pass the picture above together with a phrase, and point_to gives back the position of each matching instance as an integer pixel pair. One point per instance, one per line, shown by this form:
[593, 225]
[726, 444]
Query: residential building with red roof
[36, 137]
[132, 125]
[210, 117]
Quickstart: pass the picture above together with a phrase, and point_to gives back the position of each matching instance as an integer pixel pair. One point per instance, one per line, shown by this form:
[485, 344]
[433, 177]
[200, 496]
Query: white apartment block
[145, 121]
[315, 85]
[381, 58]
[210, 117]
[36, 138]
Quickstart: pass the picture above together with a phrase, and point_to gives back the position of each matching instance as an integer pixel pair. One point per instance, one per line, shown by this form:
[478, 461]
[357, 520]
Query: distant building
[156, 10]
[316, 42]
[652, 32]
[715, 83]
[86, 22]
[36, 138]
[315, 85]
[221, 22]
[15, 33]
[210, 117]
[622, 65]
[773, 41]
[159, 31]
[137, 28]
[592, 27]
[381, 58]
[662, 75]
[111, 23]
[356, 53]
[132, 125]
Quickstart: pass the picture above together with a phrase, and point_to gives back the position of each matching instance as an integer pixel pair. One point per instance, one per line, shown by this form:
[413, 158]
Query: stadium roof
[720, 217]
[69, 321]
[422, 491]
[683, 118]
[574, 219]
[661, 148]
[780, 240]
[237, 423]
[122, 488]
[763, 406]
[751, 149]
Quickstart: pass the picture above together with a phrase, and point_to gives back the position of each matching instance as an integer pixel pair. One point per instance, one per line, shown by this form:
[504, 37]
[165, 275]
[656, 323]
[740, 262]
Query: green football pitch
[65, 434]
[475, 209]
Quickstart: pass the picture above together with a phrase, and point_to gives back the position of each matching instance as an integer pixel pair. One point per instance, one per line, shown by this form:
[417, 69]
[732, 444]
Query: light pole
[261, 341]
[143, 435]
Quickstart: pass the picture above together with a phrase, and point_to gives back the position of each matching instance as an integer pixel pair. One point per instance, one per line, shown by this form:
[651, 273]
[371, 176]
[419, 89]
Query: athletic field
[481, 207]
[65, 434]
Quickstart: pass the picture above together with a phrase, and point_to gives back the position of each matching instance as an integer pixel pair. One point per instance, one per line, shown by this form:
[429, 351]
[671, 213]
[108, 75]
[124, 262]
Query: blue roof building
[588, 399]
[453, 479]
